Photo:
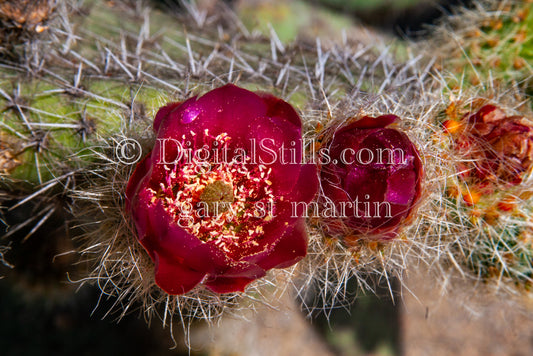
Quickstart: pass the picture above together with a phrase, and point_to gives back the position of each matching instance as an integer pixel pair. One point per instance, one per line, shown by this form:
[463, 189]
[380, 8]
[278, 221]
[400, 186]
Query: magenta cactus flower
[211, 202]
[373, 182]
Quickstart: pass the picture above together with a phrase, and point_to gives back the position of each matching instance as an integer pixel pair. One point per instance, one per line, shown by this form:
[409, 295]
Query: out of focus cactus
[491, 44]
[22, 21]
[489, 195]
[484, 55]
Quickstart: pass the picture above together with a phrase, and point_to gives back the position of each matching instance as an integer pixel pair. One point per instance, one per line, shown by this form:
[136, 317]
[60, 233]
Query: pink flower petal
[221, 284]
[173, 277]
[401, 187]
[285, 163]
[291, 248]
[163, 113]
[140, 173]
[280, 110]
[227, 109]
[305, 188]
[368, 122]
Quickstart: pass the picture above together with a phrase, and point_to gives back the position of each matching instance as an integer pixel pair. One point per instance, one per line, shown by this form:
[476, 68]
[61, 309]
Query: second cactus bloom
[374, 179]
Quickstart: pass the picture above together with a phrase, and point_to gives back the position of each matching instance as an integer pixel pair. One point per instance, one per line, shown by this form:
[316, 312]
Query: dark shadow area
[411, 21]
[39, 326]
[404, 21]
[370, 323]
[42, 312]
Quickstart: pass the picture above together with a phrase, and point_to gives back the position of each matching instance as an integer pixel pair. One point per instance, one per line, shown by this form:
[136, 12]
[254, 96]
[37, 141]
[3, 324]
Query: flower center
[218, 197]
[225, 203]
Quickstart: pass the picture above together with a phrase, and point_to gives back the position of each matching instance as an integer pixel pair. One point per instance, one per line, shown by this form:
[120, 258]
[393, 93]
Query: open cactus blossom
[373, 181]
[211, 203]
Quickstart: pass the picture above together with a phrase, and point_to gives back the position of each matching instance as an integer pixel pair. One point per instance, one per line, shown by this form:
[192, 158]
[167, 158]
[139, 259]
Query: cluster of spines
[491, 43]
[491, 227]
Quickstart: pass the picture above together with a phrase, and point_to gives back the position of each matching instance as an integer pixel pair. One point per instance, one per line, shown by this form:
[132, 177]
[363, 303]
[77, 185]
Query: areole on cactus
[492, 43]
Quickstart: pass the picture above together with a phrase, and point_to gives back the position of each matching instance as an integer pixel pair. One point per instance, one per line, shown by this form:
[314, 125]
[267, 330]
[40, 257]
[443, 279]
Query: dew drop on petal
[190, 114]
